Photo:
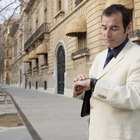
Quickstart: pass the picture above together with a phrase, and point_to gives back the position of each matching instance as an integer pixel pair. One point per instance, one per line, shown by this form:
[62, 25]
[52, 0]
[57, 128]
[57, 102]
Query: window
[30, 85]
[45, 10]
[36, 85]
[36, 23]
[46, 59]
[7, 53]
[82, 50]
[81, 41]
[20, 76]
[30, 27]
[45, 85]
[59, 11]
[30, 65]
[45, 15]
[59, 5]
[36, 20]
[7, 64]
[77, 2]
[30, 68]
[36, 63]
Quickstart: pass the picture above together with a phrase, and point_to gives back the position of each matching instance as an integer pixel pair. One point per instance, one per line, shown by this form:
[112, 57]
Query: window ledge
[80, 53]
[29, 71]
[44, 66]
[35, 69]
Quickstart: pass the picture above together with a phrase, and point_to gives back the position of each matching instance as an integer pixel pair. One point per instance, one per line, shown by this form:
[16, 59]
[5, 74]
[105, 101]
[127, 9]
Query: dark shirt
[118, 49]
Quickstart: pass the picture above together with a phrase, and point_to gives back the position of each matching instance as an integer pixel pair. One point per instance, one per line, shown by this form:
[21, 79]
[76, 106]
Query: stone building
[61, 40]
[7, 60]
[19, 37]
[7, 37]
[1, 55]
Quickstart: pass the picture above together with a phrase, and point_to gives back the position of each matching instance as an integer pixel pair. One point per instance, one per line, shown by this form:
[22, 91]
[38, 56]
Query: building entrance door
[60, 70]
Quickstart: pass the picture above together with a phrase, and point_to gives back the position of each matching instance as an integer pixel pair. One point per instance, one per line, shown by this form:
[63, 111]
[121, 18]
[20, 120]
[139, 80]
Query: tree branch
[7, 6]
[9, 19]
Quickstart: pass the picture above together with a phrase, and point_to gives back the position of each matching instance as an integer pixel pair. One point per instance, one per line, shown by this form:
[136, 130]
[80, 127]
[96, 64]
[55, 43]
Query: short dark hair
[115, 8]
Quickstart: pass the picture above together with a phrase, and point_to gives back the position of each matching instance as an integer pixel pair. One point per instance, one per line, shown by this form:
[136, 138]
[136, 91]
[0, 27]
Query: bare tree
[8, 8]
[8, 11]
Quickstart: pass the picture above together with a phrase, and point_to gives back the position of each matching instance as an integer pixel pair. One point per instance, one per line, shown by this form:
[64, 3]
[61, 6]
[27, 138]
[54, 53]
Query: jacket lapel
[102, 71]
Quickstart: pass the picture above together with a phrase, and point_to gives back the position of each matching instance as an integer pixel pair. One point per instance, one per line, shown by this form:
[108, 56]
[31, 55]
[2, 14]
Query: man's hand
[80, 77]
[81, 84]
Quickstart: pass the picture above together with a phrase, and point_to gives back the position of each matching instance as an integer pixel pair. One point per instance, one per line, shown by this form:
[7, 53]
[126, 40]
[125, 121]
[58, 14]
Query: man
[115, 101]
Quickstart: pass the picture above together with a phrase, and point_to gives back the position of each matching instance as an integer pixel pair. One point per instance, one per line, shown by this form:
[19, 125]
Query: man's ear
[129, 27]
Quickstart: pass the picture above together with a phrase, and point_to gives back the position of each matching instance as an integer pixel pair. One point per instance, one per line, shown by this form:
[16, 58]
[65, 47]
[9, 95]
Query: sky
[7, 12]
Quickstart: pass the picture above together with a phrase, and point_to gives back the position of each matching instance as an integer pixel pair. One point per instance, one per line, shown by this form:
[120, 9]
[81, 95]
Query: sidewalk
[48, 116]
[8, 128]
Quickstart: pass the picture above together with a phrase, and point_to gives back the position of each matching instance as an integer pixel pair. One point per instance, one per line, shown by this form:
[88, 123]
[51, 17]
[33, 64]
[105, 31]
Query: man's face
[113, 30]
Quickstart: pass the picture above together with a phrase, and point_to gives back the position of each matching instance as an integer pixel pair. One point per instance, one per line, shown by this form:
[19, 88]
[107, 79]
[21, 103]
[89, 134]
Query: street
[49, 116]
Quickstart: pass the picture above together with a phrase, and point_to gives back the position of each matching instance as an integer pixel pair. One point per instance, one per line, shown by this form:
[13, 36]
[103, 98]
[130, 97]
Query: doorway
[61, 70]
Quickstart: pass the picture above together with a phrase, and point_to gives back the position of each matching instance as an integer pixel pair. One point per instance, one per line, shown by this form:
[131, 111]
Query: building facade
[19, 37]
[7, 37]
[1, 55]
[60, 39]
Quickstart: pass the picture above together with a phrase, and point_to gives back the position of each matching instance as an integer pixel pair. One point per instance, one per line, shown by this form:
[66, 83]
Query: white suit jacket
[115, 103]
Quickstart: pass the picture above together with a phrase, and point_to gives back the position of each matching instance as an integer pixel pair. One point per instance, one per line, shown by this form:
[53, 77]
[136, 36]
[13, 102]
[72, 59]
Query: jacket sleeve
[121, 96]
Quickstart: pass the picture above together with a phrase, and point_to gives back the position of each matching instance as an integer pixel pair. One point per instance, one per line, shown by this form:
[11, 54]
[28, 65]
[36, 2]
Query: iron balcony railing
[38, 34]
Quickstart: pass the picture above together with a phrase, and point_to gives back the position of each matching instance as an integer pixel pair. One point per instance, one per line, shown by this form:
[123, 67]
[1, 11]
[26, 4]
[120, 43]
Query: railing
[36, 35]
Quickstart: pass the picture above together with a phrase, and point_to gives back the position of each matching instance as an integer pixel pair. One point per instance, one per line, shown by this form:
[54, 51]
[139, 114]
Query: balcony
[135, 35]
[37, 35]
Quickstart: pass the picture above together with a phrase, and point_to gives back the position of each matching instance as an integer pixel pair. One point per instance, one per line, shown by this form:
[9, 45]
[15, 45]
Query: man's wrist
[92, 83]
